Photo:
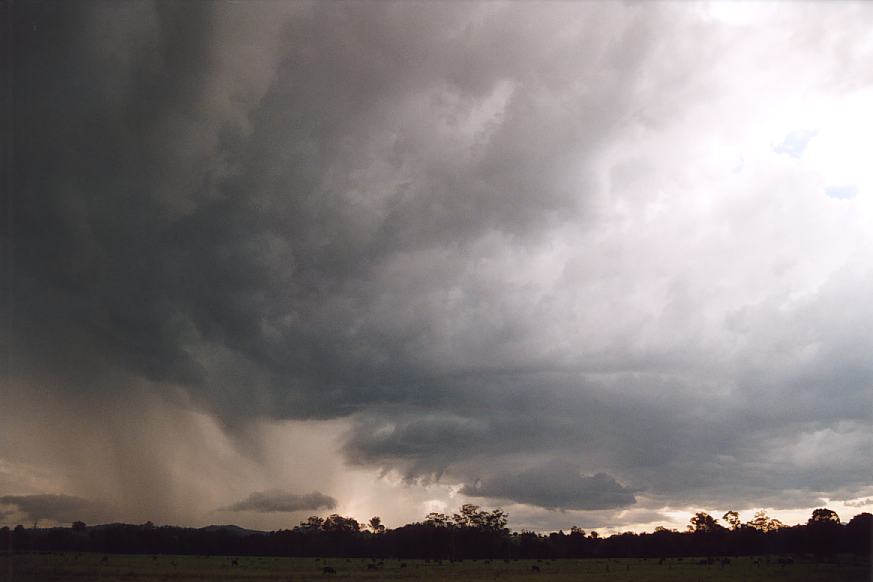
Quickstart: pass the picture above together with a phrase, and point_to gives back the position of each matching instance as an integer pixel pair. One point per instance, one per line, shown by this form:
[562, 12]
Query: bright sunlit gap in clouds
[603, 265]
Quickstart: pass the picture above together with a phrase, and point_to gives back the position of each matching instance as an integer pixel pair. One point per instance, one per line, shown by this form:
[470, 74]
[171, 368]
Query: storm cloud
[554, 485]
[491, 242]
[59, 508]
[270, 501]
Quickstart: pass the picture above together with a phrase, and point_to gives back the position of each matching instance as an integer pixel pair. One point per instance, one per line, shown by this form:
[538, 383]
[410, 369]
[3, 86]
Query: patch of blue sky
[842, 192]
[795, 142]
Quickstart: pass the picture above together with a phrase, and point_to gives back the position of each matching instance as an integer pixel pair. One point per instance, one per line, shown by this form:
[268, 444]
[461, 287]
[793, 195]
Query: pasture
[59, 567]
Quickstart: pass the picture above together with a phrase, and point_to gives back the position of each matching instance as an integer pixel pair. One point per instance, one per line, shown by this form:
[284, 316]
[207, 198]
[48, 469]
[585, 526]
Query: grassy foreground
[112, 568]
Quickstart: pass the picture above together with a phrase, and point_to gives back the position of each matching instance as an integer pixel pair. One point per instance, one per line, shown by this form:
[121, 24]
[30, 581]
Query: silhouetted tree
[762, 522]
[823, 515]
[702, 522]
[435, 519]
[375, 525]
[472, 533]
[823, 531]
[337, 523]
[733, 519]
[859, 534]
[312, 523]
[471, 516]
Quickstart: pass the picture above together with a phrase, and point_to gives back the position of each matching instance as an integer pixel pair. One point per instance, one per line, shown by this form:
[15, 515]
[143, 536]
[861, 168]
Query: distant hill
[231, 529]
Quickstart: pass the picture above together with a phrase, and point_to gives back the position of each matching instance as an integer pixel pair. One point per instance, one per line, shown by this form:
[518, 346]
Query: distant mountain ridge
[231, 529]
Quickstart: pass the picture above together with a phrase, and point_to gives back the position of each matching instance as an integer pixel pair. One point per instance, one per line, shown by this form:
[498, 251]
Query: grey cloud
[273, 501]
[552, 485]
[204, 238]
[411, 217]
[60, 508]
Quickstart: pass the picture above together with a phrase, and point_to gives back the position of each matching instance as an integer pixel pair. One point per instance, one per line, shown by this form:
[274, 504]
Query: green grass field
[111, 568]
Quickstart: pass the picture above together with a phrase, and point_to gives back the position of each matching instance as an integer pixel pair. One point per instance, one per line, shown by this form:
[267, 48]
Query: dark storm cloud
[556, 484]
[341, 210]
[173, 225]
[272, 501]
[60, 508]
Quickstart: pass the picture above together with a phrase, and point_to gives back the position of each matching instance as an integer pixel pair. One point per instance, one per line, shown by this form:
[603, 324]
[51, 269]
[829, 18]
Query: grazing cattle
[402, 564]
[328, 570]
[234, 562]
[372, 567]
[535, 568]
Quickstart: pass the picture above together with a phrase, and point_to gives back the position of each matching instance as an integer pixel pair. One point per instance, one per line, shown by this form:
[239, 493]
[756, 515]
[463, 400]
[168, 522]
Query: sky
[600, 264]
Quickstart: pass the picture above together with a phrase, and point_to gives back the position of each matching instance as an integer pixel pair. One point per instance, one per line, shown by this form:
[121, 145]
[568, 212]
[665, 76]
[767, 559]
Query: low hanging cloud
[554, 485]
[59, 508]
[281, 501]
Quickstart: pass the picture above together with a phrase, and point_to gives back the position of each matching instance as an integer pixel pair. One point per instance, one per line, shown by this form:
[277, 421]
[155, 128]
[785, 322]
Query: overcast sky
[597, 263]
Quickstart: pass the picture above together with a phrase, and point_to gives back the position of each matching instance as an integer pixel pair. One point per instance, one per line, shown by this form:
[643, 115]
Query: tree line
[472, 533]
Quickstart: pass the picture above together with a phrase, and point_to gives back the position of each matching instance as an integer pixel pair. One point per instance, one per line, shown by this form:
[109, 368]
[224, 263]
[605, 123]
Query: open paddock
[60, 567]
